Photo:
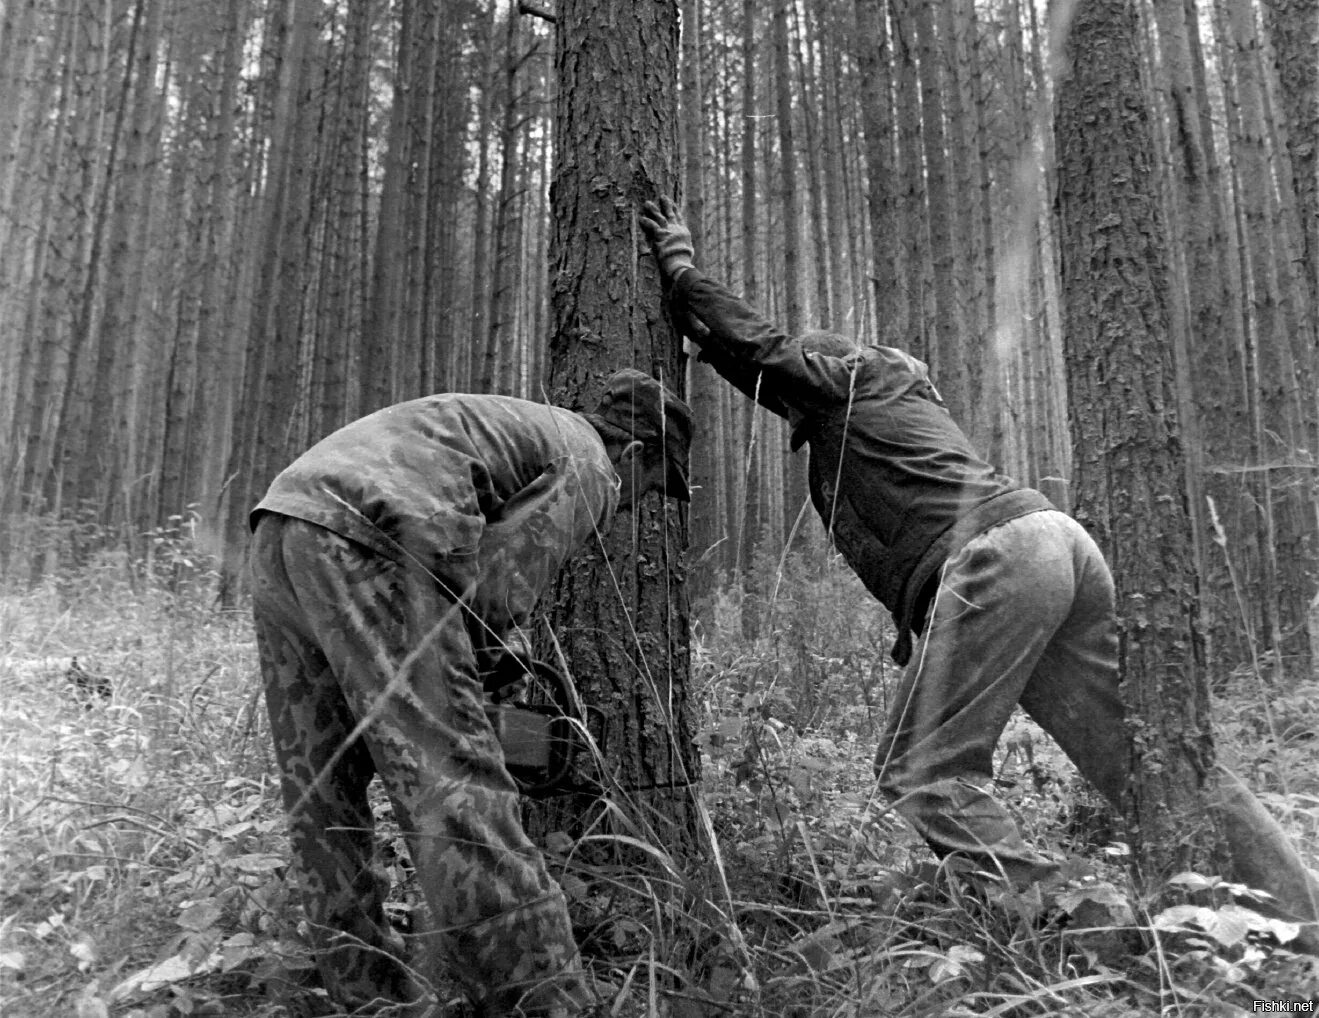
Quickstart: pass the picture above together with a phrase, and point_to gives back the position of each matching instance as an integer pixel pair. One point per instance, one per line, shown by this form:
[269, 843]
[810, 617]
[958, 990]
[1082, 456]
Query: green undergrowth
[143, 872]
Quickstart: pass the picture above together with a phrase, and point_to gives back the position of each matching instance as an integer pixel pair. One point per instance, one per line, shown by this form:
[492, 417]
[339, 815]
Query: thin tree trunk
[842, 308]
[482, 365]
[876, 102]
[790, 477]
[1294, 31]
[90, 356]
[1268, 361]
[499, 350]
[385, 302]
[946, 331]
[1199, 316]
[118, 332]
[32, 382]
[413, 342]
[809, 88]
[748, 499]
[702, 382]
[912, 256]
[269, 371]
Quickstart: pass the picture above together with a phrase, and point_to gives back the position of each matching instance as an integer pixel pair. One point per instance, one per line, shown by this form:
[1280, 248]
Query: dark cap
[639, 405]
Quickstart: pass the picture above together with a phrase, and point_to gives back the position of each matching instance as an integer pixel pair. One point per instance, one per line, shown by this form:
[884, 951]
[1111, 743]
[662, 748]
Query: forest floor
[143, 864]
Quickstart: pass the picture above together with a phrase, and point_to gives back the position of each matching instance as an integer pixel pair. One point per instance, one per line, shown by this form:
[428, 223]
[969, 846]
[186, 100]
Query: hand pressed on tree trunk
[999, 598]
[669, 236]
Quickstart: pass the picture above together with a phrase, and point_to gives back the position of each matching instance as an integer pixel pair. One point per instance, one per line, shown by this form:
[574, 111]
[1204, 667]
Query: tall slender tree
[748, 502]
[264, 442]
[788, 496]
[946, 332]
[876, 98]
[507, 226]
[709, 514]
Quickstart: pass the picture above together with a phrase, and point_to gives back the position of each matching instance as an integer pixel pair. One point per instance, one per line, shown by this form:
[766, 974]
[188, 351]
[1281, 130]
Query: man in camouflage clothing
[383, 559]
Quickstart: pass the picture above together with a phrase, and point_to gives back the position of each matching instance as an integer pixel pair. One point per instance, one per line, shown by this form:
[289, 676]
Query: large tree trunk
[1127, 452]
[620, 612]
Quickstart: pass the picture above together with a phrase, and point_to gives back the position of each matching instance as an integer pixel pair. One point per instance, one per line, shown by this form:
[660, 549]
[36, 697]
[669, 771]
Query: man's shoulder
[886, 373]
[461, 411]
[512, 413]
[891, 359]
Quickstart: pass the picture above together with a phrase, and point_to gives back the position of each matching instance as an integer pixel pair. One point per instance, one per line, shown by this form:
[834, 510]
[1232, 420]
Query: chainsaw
[541, 740]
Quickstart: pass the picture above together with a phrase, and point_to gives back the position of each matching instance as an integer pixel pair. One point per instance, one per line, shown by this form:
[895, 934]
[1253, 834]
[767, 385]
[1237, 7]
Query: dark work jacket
[896, 482]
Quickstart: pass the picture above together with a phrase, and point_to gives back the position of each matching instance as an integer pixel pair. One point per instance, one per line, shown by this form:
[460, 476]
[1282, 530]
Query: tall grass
[143, 870]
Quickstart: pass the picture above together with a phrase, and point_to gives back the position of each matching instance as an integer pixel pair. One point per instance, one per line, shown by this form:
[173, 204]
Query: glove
[505, 668]
[669, 236]
[498, 652]
[693, 328]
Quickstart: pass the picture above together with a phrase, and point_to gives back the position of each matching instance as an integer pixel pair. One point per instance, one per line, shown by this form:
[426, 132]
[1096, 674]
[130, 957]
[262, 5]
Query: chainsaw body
[540, 740]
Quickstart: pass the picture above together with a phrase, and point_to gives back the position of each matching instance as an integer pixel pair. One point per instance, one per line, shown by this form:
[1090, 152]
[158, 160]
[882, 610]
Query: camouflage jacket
[490, 494]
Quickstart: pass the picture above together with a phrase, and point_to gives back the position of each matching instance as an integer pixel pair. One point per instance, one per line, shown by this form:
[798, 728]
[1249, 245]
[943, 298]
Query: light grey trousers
[1024, 613]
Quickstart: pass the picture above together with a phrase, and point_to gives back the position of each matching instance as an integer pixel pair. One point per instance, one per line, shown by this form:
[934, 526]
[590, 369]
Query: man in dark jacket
[382, 559]
[998, 597]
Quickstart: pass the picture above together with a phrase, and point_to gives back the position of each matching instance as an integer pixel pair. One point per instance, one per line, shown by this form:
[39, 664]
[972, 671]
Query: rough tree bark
[620, 612]
[1128, 459]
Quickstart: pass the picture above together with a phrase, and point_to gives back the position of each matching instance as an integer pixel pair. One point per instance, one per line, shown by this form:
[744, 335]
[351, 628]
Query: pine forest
[230, 227]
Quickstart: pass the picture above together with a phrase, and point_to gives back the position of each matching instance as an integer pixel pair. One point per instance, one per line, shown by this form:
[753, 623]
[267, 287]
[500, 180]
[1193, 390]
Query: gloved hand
[693, 328]
[501, 658]
[669, 235]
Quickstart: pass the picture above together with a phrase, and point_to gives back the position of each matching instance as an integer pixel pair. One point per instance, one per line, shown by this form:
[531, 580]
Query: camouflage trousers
[1024, 615]
[369, 669]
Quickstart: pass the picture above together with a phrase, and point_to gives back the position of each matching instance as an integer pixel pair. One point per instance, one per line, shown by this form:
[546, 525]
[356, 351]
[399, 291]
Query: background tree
[707, 396]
